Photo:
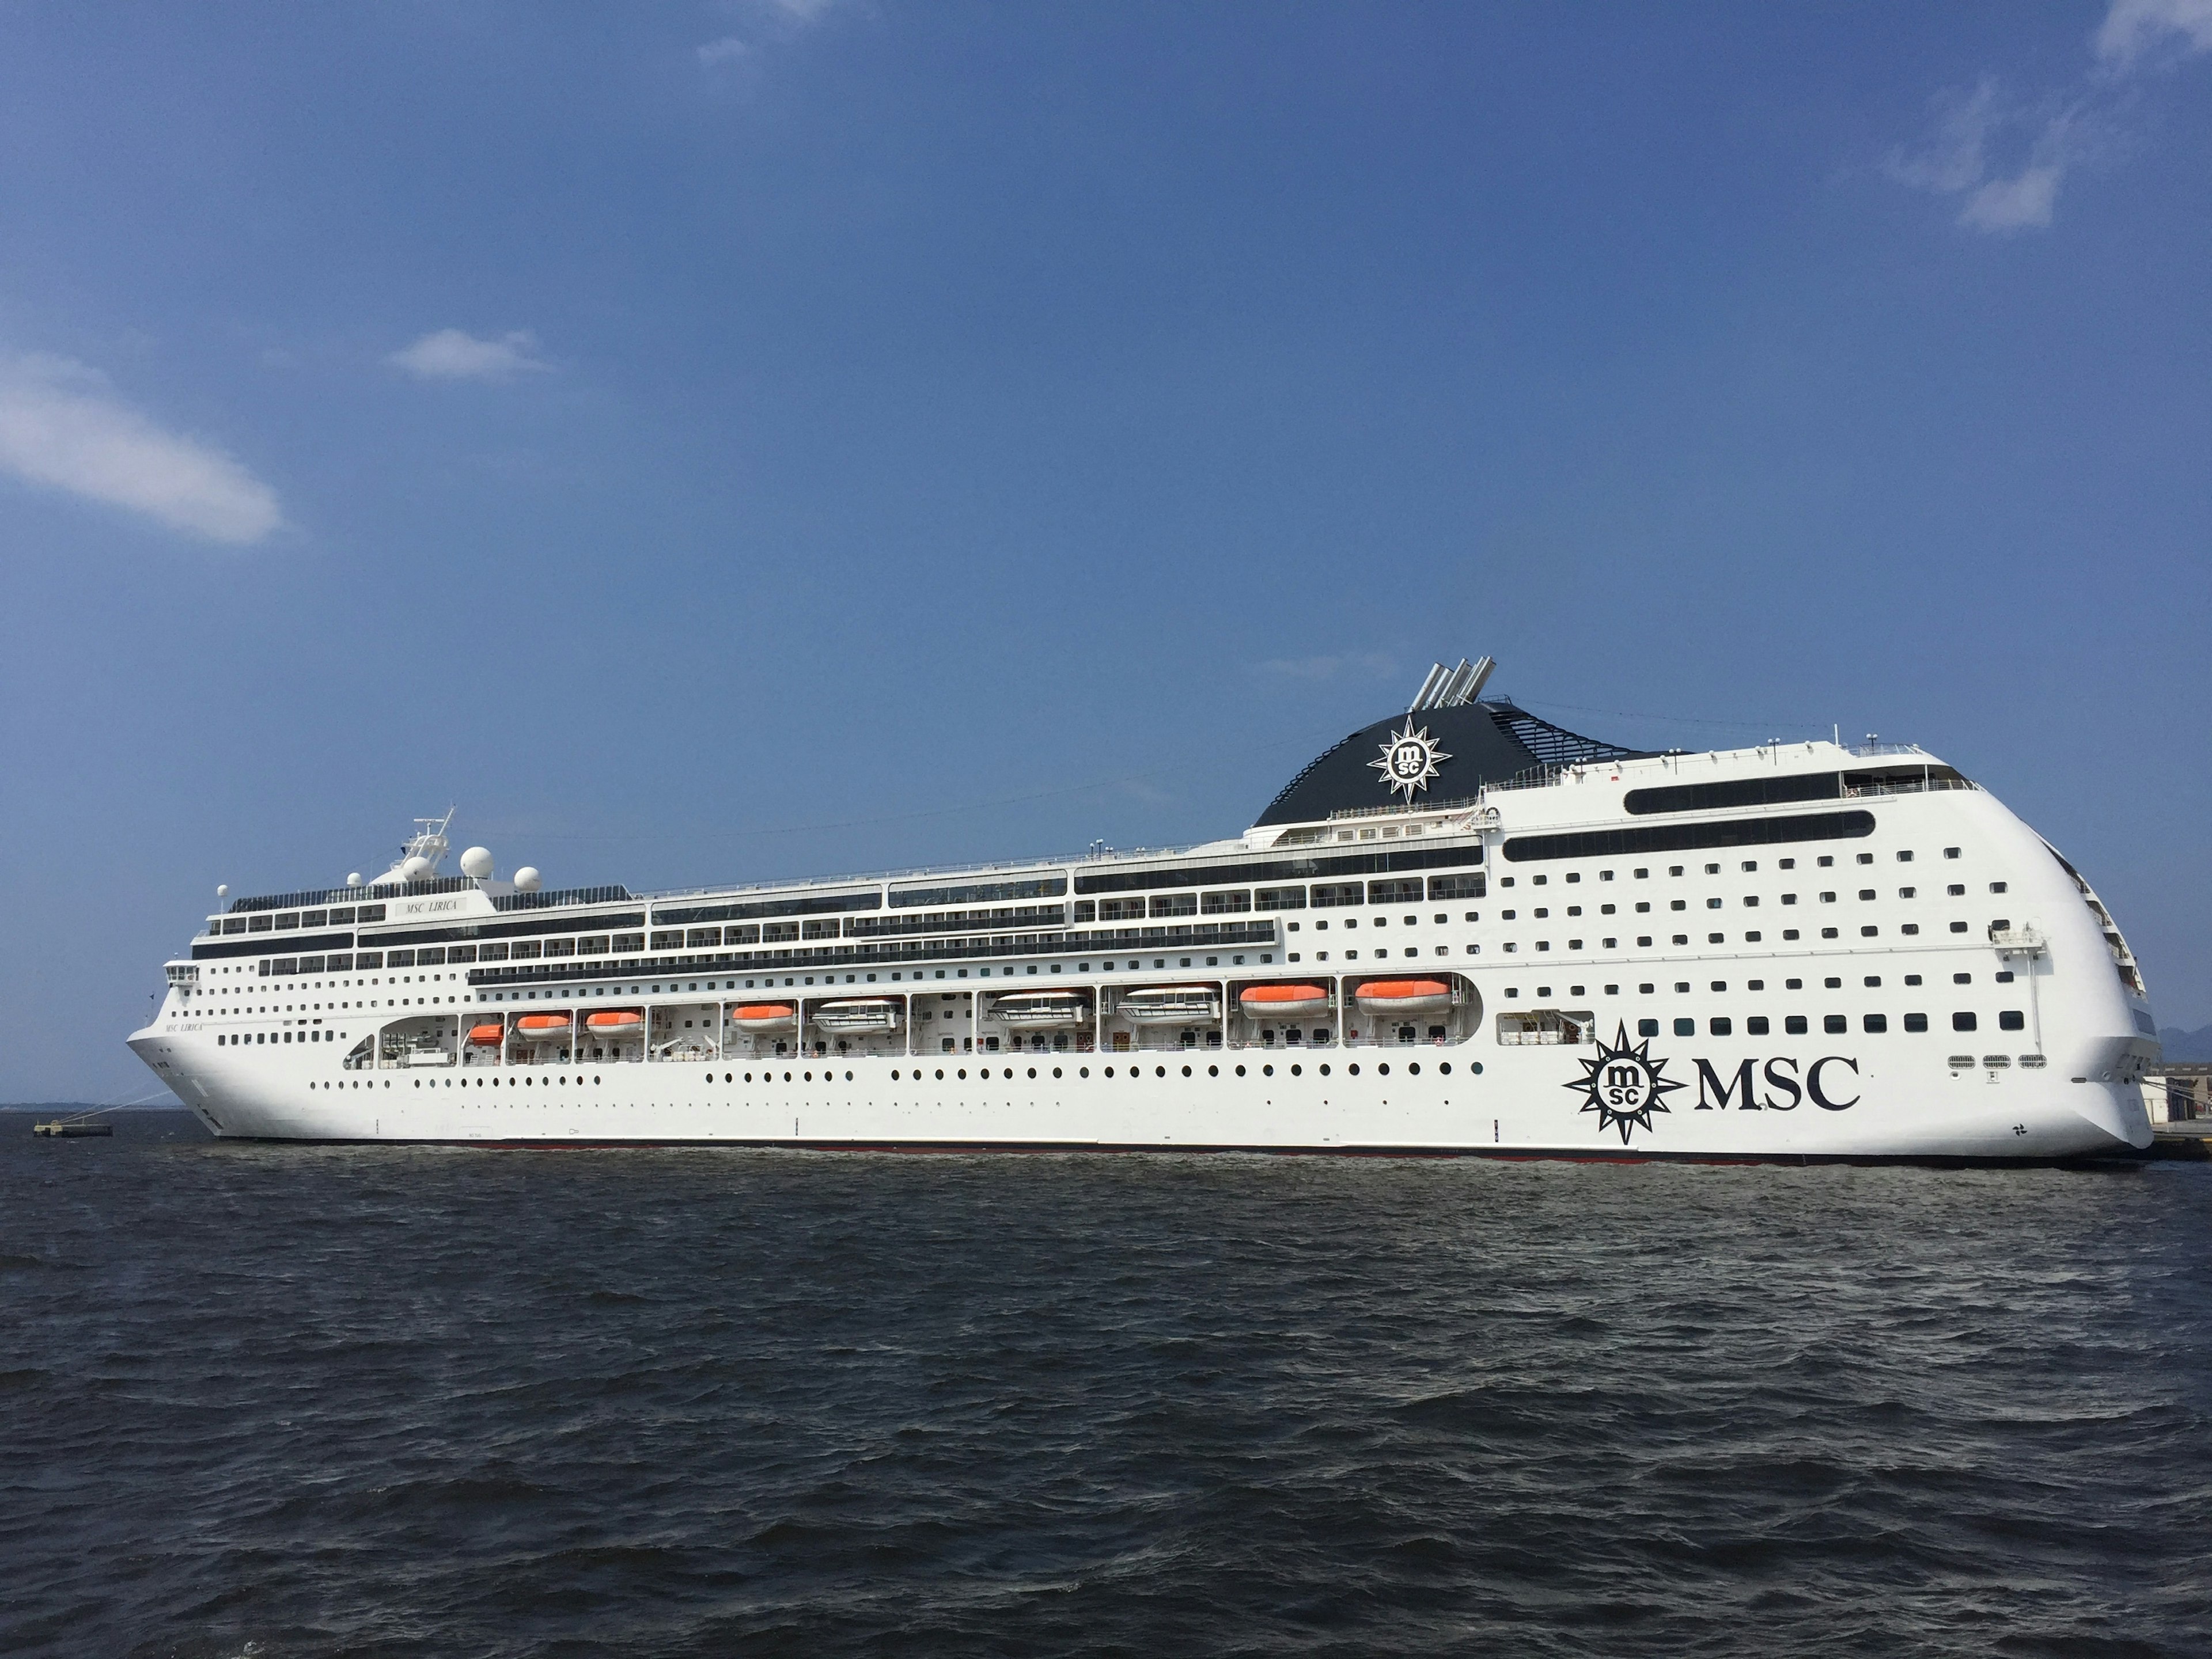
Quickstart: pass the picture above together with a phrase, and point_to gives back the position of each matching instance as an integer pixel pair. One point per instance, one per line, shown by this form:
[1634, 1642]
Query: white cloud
[451, 355]
[782, 17]
[1958, 155]
[61, 425]
[2023, 194]
[2022, 203]
[2133, 28]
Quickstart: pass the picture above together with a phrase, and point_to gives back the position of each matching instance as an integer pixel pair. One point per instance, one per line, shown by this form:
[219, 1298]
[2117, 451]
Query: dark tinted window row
[984, 892]
[1305, 869]
[1683, 837]
[1776, 792]
[475, 930]
[555, 899]
[1735, 791]
[812, 904]
[1831, 1024]
[250, 947]
[1016, 915]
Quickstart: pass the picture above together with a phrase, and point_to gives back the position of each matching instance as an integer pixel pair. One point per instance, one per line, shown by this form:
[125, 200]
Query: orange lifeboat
[1405, 996]
[541, 1028]
[614, 1022]
[763, 1016]
[486, 1036]
[1283, 1001]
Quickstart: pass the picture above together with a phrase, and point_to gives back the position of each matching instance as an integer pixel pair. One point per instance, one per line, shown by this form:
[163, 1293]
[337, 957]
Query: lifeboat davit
[614, 1022]
[1171, 1005]
[486, 1036]
[858, 1014]
[1283, 1001]
[541, 1028]
[1405, 996]
[763, 1016]
[1027, 1011]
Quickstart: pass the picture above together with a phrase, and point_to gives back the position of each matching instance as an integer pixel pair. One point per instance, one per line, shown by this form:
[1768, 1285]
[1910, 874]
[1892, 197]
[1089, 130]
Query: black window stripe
[1683, 837]
[1735, 791]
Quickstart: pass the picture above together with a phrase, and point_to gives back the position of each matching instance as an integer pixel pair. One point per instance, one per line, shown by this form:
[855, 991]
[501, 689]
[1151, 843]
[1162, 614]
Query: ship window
[1686, 1028]
[1996, 887]
[1756, 1025]
[1962, 1022]
[1647, 1027]
[1329, 894]
[1876, 1024]
[1215, 904]
[2012, 1019]
[1794, 1025]
[1916, 1022]
[1175, 904]
[1950, 851]
[1720, 1025]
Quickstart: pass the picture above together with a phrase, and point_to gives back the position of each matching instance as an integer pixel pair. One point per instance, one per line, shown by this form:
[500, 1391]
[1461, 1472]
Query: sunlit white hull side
[2061, 1085]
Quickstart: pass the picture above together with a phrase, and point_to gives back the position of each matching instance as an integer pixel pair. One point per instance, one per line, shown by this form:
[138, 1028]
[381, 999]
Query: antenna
[420, 852]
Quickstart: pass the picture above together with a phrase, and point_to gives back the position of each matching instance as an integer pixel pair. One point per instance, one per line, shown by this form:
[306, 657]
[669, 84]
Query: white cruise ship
[1461, 930]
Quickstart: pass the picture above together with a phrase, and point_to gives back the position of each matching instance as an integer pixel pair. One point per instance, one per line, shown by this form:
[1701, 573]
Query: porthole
[1240, 1071]
[1110, 1071]
[848, 1077]
[1476, 1068]
[1032, 1072]
[940, 1076]
[1213, 1071]
[810, 1077]
[1186, 1071]
[1353, 1068]
[1445, 1068]
[963, 1074]
[1083, 1070]
[1383, 1070]
[1055, 1071]
[1159, 1071]
[1414, 1070]
[1010, 1072]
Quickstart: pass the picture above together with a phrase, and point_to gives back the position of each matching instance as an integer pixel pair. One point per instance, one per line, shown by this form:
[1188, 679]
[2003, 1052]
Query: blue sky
[716, 442]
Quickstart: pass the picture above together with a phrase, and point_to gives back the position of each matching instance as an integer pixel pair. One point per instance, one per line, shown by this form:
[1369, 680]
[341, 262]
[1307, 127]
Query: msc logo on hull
[1626, 1083]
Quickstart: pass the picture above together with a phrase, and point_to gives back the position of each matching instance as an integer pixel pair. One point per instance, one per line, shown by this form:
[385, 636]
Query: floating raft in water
[69, 1129]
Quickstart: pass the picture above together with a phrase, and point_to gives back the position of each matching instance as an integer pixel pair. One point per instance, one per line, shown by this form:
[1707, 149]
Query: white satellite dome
[353, 880]
[528, 880]
[223, 890]
[417, 868]
[476, 863]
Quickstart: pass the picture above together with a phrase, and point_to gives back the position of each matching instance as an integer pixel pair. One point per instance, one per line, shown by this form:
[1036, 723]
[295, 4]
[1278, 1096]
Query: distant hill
[2187, 1045]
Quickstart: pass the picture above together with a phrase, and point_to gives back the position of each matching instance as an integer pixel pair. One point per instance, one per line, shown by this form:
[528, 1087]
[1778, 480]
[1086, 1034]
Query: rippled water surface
[309, 1400]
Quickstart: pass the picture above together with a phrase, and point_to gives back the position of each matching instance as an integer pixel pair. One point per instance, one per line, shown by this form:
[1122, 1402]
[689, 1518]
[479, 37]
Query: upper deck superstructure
[1792, 950]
